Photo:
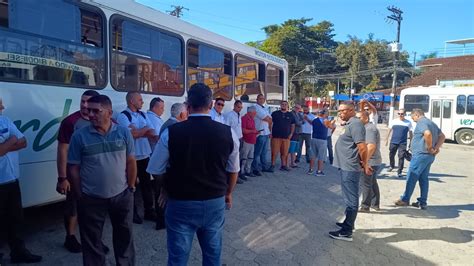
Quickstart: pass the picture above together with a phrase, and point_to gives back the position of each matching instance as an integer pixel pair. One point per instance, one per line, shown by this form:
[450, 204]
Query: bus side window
[470, 105]
[461, 104]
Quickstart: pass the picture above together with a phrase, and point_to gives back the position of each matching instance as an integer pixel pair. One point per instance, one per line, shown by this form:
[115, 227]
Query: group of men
[185, 169]
[284, 130]
[358, 159]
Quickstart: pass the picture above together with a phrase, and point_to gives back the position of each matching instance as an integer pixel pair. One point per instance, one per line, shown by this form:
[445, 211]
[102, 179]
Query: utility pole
[178, 10]
[395, 16]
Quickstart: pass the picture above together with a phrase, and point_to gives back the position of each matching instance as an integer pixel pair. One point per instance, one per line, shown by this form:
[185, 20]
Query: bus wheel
[465, 137]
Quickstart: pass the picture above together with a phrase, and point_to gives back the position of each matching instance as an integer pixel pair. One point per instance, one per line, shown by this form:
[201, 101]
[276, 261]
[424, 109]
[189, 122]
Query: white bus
[51, 51]
[451, 108]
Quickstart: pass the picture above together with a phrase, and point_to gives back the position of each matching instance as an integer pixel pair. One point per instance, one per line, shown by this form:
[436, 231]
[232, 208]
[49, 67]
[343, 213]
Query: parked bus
[451, 108]
[52, 51]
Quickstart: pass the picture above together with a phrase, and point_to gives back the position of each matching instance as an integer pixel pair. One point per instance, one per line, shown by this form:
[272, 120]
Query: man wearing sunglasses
[351, 157]
[216, 111]
[399, 128]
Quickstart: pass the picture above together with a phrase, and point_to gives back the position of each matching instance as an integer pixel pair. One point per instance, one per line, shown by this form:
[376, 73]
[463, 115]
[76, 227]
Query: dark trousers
[350, 194]
[330, 152]
[369, 189]
[147, 188]
[401, 148]
[306, 138]
[11, 216]
[91, 215]
[160, 212]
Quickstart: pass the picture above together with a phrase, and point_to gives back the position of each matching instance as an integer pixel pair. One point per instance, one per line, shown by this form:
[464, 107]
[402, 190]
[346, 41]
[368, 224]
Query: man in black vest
[201, 160]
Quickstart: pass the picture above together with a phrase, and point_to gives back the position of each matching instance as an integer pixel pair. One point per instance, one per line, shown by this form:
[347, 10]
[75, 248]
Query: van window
[470, 105]
[461, 104]
[417, 101]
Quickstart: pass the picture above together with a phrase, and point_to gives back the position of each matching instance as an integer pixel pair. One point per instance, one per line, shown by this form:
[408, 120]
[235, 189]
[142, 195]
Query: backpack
[129, 116]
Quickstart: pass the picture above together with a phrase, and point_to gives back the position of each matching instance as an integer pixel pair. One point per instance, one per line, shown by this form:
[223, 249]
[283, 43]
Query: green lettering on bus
[35, 124]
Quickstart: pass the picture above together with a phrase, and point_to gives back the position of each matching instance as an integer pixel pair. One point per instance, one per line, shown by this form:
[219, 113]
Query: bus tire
[465, 137]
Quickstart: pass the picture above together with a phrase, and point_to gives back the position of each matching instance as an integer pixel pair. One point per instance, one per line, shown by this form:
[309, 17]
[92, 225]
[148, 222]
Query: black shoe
[243, 178]
[72, 245]
[25, 256]
[364, 209]
[270, 169]
[137, 219]
[284, 168]
[239, 181]
[105, 248]
[340, 235]
[160, 226]
[257, 173]
[150, 215]
[342, 225]
[251, 175]
[418, 205]
[297, 161]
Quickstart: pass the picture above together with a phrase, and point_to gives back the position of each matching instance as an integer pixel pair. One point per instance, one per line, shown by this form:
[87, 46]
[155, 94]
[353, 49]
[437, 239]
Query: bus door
[441, 114]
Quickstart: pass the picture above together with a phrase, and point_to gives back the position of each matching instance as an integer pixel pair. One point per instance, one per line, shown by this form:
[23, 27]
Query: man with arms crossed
[350, 157]
[427, 139]
[263, 123]
[201, 160]
[142, 131]
[103, 173]
[11, 210]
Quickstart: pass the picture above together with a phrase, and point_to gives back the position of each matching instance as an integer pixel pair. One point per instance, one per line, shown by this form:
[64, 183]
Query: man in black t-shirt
[282, 131]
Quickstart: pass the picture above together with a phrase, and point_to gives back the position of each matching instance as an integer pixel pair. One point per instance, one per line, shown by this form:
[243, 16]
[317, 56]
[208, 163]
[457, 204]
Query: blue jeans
[350, 194]
[184, 218]
[260, 158]
[418, 171]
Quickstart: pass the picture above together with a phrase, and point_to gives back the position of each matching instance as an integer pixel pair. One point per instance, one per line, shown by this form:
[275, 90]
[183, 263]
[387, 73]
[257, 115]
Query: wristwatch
[132, 189]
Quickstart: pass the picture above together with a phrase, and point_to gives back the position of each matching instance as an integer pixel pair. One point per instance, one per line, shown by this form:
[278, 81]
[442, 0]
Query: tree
[301, 44]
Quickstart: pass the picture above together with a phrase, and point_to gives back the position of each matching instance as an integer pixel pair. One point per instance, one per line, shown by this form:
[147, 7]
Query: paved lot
[283, 219]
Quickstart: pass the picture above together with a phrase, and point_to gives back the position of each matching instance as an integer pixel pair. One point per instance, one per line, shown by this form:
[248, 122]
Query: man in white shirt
[11, 210]
[216, 111]
[234, 120]
[263, 123]
[370, 108]
[142, 131]
[157, 108]
[305, 136]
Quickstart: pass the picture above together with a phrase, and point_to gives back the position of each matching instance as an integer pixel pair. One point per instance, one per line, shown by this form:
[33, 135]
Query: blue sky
[426, 24]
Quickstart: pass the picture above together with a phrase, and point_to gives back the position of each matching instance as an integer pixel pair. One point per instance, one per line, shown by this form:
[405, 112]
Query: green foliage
[368, 62]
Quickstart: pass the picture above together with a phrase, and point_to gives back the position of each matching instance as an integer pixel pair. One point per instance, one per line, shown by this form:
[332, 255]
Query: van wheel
[465, 137]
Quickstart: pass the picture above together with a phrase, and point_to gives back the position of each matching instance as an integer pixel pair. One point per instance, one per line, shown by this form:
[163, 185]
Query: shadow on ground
[433, 211]
[446, 234]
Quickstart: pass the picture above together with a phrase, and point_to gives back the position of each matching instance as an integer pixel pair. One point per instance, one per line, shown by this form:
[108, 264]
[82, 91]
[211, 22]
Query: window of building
[211, 66]
[38, 45]
[461, 104]
[274, 85]
[145, 58]
[249, 79]
[417, 101]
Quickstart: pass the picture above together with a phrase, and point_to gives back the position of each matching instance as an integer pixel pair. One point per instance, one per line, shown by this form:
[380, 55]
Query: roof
[436, 69]
[461, 41]
[448, 68]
